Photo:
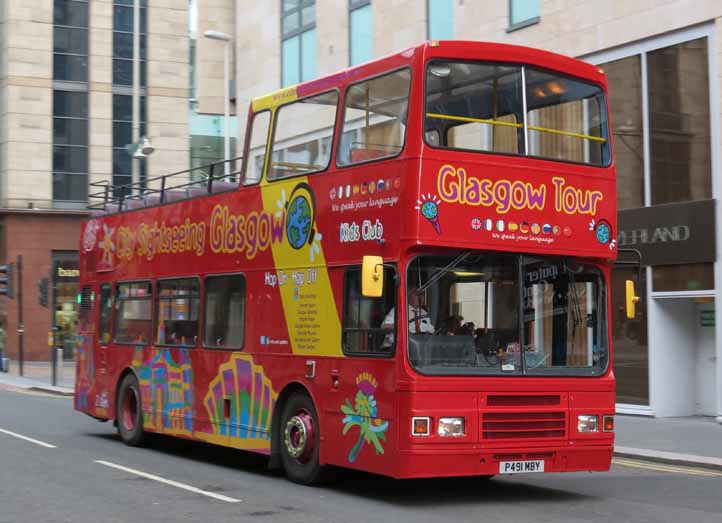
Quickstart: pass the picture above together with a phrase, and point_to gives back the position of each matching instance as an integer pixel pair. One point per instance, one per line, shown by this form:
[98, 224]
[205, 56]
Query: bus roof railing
[209, 179]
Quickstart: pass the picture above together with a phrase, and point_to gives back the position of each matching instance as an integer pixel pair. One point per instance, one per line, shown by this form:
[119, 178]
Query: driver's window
[369, 324]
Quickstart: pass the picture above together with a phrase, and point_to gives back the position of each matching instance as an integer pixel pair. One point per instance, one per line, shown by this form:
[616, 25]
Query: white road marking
[170, 482]
[31, 440]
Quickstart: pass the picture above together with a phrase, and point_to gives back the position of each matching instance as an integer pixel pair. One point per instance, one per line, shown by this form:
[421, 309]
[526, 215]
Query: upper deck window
[515, 110]
[374, 123]
[303, 136]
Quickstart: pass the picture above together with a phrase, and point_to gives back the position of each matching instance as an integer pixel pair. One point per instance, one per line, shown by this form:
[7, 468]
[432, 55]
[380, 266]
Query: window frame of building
[206, 309]
[642, 49]
[118, 306]
[526, 22]
[353, 7]
[119, 150]
[390, 284]
[70, 160]
[127, 5]
[193, 297]
[73, 31]
[302, 32]
[433, 29]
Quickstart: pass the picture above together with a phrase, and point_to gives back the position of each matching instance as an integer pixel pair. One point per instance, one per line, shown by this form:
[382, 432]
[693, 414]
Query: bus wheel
[299, 439]
[128, 411]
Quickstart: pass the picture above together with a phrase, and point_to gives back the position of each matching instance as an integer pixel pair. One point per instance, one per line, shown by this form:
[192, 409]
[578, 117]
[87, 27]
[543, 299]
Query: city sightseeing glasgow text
[456, 186]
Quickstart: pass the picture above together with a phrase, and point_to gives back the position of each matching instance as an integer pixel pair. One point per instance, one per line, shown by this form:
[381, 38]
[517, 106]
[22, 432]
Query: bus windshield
[497, 313]
[512, 109]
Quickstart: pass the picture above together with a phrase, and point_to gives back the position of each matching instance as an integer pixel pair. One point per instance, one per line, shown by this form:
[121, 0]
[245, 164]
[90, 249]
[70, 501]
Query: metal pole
[21, 325]
[227, 108]
[135, 137]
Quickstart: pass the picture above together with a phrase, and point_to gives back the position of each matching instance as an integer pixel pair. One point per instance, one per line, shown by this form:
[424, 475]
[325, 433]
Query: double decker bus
[408, 275]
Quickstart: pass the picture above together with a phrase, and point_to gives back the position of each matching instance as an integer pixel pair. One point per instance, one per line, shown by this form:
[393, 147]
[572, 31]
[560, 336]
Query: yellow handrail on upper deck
[517, 125]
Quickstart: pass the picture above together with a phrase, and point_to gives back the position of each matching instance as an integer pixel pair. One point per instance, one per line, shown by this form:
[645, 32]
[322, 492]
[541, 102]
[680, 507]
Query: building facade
[65, 120]
[662, 60]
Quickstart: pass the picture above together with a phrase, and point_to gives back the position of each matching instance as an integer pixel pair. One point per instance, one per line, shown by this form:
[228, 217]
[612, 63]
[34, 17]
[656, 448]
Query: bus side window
[256, 154]
[375, 114]
[133, 306]
[177, 312]
[369, 324]
[105, 309]
[224, 312]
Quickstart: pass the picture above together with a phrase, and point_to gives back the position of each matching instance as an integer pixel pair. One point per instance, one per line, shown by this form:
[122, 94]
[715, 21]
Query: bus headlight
[451, 427]
[587, 423]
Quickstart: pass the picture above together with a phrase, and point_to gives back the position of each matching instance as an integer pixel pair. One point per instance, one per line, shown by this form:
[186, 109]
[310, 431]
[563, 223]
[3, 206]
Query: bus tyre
[299, 440]
[129, 412]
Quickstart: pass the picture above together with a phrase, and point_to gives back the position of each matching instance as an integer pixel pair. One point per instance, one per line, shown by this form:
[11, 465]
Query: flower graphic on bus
[300, 216]
[363, 415]
[429, 207]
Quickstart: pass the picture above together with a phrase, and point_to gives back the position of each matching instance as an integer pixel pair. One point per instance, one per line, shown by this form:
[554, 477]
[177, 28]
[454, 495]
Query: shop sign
[67, 273]
[670, 234]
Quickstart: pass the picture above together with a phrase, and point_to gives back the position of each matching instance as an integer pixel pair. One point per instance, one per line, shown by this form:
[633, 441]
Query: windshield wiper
[440, 272]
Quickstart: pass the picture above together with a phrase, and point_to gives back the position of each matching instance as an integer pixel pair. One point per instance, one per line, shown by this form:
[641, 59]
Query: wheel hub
[298, 436]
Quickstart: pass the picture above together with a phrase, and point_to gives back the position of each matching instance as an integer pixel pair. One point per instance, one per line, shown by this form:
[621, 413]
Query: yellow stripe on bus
[517, 126]
[309, 307]
[274, 99]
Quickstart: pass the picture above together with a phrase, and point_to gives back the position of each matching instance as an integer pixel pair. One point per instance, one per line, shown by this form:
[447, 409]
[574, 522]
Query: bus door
[364, 385]
[101, 346]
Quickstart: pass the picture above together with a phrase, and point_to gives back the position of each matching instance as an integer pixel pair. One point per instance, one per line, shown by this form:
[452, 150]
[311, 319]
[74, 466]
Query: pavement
[691, 441]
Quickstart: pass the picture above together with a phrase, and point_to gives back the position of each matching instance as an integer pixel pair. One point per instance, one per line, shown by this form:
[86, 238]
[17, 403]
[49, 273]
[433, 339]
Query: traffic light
[43, 291]
[6, 280]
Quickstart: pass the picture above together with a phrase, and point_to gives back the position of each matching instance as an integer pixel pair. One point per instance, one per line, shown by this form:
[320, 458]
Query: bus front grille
[523, 425]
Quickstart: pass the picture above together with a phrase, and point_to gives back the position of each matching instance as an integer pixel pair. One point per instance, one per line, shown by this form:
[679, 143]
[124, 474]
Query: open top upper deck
[450, 144]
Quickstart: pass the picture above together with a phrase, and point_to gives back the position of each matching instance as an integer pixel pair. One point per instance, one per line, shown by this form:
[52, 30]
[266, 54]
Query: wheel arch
[118, 381]
[288, 391]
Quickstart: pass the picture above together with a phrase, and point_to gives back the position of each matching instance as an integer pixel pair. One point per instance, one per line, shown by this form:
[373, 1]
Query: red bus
[409, 275]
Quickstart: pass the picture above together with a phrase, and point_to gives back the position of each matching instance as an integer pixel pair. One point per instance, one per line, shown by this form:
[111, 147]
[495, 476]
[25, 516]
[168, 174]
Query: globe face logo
[603, 233]
[430, 210]
[298, 222]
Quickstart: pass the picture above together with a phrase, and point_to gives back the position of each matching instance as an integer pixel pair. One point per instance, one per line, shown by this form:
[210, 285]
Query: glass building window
[122, 136]
[523, 13]
[624, 78]
[70, 40]
[360, 31]
[679, 127]
[70, 146]
[123, 42]
[298, 41]
[440, 19]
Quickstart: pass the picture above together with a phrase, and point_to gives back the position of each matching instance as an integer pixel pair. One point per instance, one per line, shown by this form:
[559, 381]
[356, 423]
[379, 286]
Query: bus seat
[133, 203]
[196, 191]
[110, 208]
[175, 195]
[151, 199]
[221, 186]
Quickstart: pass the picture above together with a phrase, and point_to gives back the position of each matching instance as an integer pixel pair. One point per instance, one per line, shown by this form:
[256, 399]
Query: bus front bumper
[422, 463]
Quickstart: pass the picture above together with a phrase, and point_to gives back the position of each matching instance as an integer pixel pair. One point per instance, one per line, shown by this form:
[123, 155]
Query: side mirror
[631, 299]
[372, 276]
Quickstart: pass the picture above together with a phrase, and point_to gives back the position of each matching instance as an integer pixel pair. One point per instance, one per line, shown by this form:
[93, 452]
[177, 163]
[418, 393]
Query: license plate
[521, 467]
